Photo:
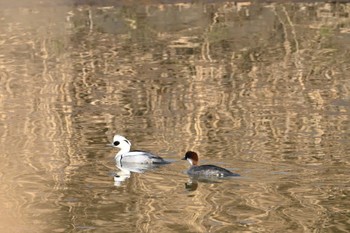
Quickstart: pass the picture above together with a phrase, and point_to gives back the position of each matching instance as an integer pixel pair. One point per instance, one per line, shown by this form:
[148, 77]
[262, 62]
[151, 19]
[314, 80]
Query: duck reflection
[193, 182]
[125, 170]
[191, 185]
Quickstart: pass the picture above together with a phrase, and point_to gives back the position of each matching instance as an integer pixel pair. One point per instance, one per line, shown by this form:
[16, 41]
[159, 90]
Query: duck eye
[116, 143]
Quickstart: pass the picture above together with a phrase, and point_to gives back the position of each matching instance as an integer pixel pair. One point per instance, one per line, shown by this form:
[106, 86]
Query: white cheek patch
[190, 161]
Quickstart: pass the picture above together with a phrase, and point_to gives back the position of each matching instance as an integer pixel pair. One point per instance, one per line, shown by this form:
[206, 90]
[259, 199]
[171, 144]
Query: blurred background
[259, 88]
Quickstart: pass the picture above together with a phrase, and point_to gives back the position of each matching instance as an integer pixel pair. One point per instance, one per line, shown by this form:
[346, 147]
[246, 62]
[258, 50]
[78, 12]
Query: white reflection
[125, 170]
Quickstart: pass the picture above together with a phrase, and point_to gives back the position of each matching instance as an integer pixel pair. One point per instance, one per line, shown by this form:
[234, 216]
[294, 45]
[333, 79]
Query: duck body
[141, 157]
[209, 170]
[136, 156]
[205, 170]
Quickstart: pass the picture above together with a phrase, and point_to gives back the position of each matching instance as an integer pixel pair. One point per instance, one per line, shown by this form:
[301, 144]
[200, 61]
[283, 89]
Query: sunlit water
[260, 89]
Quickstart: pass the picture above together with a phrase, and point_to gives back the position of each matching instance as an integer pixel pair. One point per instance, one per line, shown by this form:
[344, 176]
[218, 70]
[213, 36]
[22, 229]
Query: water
[260, 89]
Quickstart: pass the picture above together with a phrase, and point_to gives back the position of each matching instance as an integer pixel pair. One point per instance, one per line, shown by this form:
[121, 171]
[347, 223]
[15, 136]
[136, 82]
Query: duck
[137, 156]
[205, 170]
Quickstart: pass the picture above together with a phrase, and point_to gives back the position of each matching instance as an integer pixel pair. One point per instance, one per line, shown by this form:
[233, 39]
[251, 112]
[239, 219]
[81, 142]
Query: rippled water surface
[260, 89]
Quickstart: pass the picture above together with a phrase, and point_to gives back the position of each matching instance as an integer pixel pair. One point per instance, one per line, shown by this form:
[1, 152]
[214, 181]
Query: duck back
[210, 170]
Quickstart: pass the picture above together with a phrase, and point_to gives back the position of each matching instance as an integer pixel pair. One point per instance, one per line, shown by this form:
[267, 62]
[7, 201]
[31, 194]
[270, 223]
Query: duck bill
[184, 158]
[110, 144]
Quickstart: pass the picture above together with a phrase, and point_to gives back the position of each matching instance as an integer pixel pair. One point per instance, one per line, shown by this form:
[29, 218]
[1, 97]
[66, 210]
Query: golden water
[261, 89]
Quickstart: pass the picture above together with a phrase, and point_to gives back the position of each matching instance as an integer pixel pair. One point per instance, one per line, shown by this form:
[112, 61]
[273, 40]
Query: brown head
[191, 157]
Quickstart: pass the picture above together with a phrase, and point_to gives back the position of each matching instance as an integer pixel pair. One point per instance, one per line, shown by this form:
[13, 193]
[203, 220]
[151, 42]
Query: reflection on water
[257, 88]
[125, 170]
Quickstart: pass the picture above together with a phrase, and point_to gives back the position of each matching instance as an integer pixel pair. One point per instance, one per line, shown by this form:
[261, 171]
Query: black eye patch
[116, 143]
